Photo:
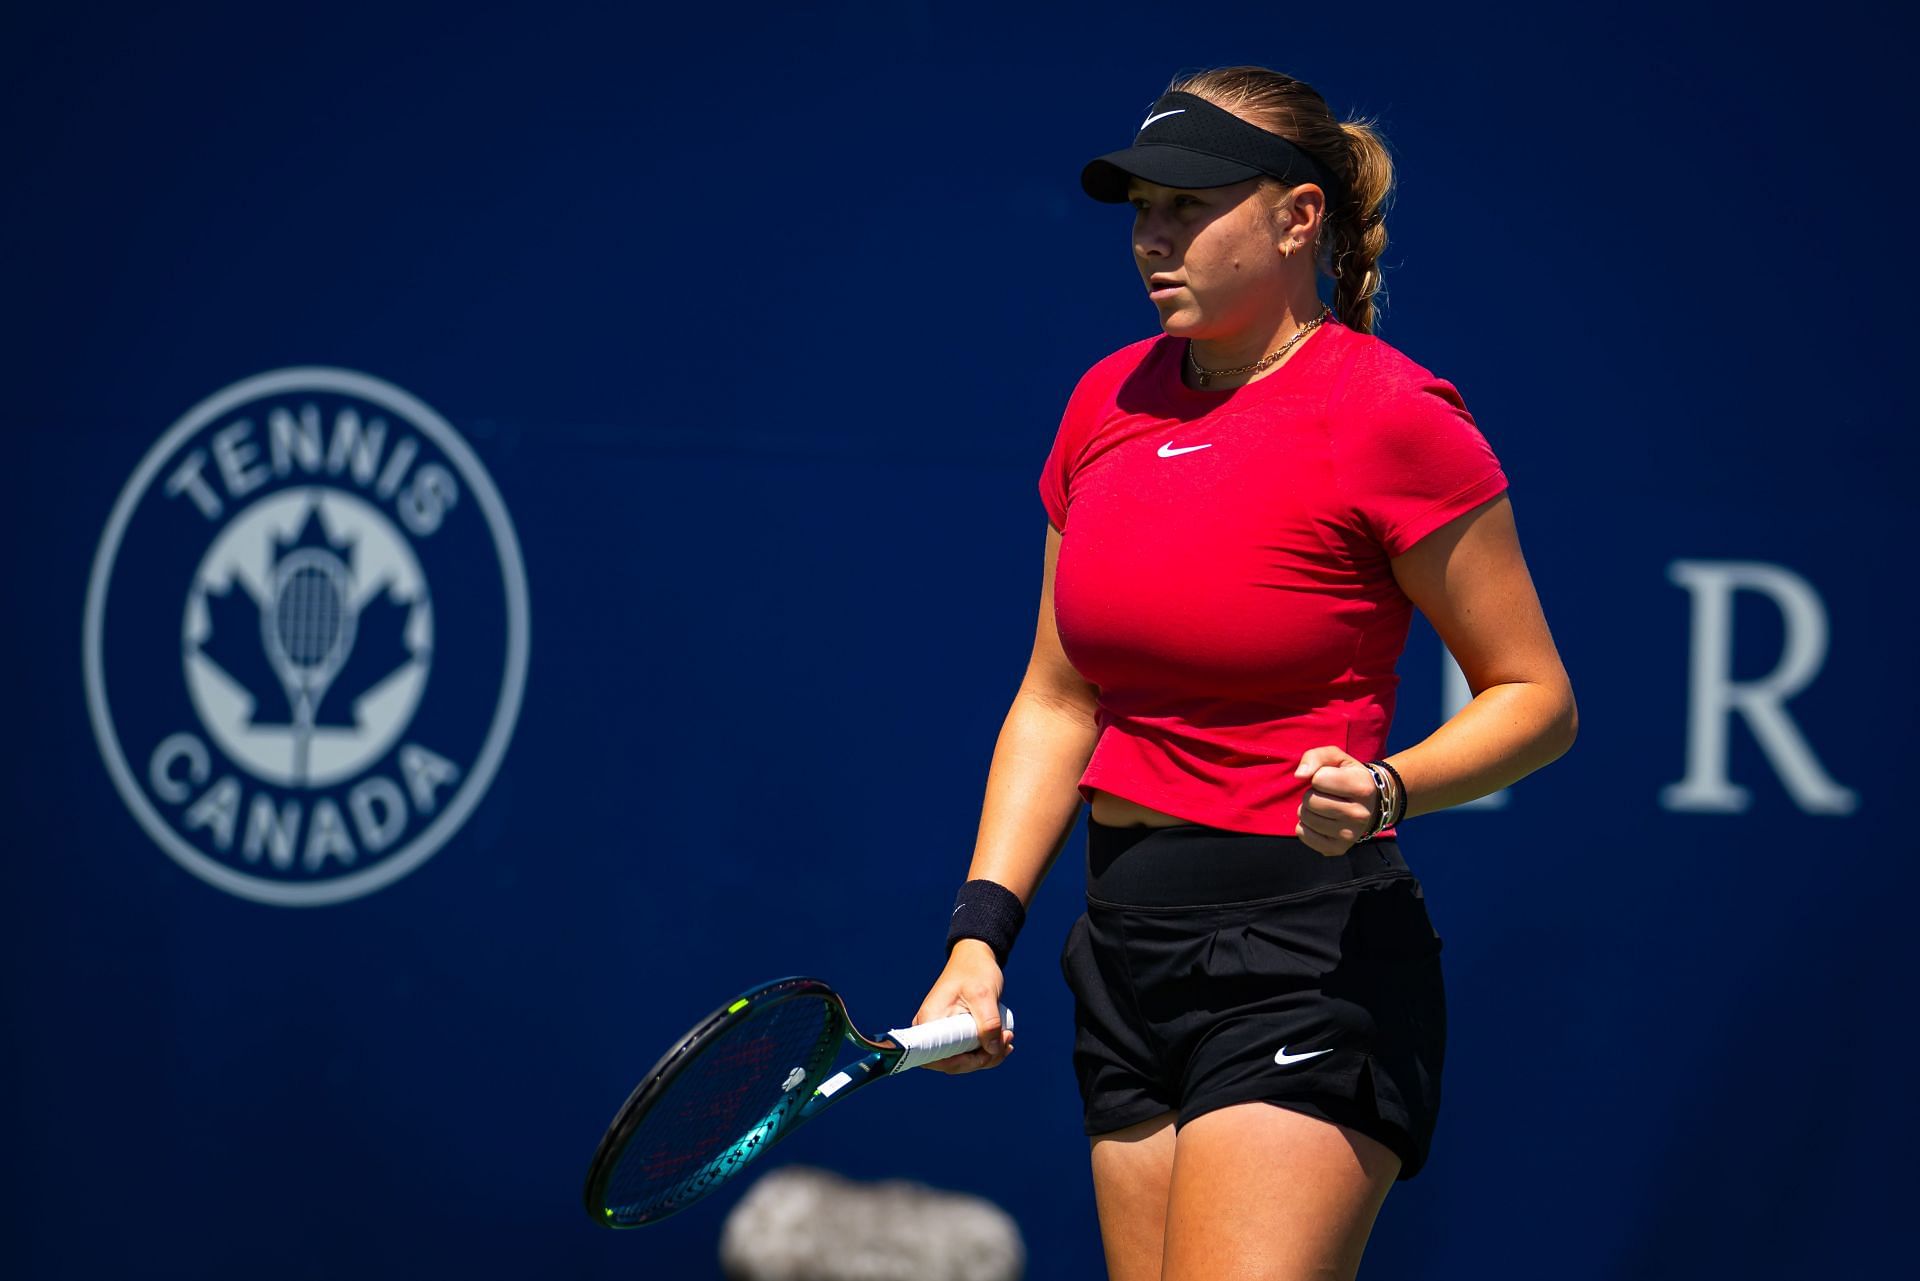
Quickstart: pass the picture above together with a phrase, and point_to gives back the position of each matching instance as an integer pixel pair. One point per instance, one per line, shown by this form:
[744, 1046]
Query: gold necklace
[1204, 376]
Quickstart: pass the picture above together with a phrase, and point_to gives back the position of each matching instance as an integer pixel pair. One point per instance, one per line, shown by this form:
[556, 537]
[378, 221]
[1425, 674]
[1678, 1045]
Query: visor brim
[1105, 178]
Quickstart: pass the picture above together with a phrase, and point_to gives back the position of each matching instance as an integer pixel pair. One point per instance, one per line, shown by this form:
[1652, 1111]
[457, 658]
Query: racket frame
[881, 1059]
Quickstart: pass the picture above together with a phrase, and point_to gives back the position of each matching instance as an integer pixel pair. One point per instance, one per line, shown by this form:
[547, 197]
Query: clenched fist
[1341, 804]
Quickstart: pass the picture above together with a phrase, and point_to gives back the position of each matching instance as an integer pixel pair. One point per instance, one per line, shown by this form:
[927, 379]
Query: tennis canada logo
[306, 637]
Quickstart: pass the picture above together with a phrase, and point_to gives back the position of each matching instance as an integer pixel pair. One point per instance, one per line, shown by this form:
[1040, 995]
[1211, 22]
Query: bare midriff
[1117, 811]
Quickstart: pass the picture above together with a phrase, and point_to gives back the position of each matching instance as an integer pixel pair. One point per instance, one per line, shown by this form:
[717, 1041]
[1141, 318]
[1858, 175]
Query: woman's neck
[1245, 349]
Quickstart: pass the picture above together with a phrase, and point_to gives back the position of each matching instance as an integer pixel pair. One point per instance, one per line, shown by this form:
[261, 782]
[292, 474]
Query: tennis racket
[744, 1078]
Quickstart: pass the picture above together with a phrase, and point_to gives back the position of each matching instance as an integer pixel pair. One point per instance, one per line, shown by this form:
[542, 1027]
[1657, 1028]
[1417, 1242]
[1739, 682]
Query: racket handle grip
[941, 1038]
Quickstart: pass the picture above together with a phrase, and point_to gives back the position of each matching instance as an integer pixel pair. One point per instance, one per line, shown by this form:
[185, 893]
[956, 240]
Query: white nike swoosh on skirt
[1283, 1058]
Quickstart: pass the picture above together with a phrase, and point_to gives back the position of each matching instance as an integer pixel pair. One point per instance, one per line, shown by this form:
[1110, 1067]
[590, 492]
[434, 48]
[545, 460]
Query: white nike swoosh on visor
[1168, 451]
[1283, 1058]
[1162, 116]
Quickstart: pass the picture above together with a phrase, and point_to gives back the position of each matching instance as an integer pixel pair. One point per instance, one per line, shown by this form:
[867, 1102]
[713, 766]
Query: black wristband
[1400, 788]
[990, 912]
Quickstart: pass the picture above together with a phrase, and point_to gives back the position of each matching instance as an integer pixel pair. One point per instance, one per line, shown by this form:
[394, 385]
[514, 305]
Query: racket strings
[723, 1108]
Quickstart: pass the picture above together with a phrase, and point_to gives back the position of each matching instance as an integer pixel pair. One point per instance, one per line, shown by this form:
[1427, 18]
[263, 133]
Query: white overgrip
[941, 1038]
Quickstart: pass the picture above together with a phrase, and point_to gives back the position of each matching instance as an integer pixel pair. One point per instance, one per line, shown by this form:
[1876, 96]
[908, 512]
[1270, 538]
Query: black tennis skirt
[1214, 967]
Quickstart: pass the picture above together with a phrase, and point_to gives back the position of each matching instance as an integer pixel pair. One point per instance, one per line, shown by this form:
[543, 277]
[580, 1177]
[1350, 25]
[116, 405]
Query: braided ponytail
[1355, 234]
[1360, 227]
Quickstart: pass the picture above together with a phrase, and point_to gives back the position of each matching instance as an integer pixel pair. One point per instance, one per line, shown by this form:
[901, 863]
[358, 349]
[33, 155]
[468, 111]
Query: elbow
[1556, 718]
[1567, 724]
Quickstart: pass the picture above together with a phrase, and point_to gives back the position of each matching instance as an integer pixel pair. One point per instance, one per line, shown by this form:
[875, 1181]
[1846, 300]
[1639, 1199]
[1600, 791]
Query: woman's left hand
[1341, 804]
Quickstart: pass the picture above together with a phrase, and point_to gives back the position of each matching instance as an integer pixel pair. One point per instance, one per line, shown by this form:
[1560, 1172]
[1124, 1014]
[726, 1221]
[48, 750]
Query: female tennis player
[1243, 512]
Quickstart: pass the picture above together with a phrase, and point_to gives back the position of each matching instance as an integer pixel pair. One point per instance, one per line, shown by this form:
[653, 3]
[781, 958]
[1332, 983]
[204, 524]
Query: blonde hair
[1352, 150]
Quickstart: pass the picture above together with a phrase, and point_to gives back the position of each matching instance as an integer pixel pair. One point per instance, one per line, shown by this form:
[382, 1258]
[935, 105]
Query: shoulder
[1110, 371]
[1408, 456]
[1382, 396]
[1373, 371]
[1098, 389]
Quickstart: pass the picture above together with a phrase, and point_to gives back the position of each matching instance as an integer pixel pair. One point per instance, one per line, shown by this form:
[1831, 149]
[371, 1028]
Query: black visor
[1186, 141]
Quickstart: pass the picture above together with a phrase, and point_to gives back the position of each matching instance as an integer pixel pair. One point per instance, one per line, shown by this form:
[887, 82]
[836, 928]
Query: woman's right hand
[971, 982]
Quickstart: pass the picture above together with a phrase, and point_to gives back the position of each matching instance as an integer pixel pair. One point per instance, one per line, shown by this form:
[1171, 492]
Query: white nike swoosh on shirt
[1162, 116]
[1167, 450]
[1283, 1058]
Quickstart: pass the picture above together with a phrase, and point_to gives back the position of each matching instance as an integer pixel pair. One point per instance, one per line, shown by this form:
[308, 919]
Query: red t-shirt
[1223, 576]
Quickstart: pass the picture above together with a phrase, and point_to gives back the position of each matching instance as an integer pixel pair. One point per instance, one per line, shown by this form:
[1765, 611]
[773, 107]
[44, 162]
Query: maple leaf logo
[311, 649]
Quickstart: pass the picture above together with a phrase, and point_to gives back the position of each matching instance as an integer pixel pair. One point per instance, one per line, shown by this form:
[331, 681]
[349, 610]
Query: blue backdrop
[672, 388]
